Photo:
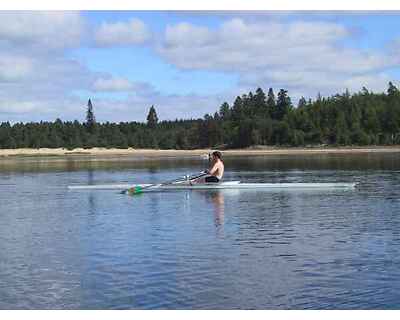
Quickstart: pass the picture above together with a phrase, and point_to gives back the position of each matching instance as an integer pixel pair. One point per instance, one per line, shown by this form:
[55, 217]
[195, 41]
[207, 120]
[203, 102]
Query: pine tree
[364, 91]
[260, 103]
[5, 135]
[224, 111]
[90, 118]
[283, 105]
[302, 103]
[152, 118]
[238, 109]
[392, 90]
[392, 115]
[271, 103]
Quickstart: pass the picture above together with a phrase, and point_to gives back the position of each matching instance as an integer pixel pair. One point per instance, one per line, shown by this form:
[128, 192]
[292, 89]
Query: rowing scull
[218, 186]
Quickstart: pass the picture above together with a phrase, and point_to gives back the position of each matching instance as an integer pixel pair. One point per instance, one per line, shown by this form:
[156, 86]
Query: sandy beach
[5, 153]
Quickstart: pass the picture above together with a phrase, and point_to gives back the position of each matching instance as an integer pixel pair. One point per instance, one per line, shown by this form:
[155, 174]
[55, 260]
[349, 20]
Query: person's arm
[213, 169]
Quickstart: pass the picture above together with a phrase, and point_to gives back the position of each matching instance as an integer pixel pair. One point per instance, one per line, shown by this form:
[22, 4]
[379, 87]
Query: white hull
[223, 185]
[265, 186]
[101, 187]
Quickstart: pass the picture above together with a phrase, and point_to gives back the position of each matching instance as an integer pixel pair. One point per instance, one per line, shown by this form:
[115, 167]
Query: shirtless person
[216, 170]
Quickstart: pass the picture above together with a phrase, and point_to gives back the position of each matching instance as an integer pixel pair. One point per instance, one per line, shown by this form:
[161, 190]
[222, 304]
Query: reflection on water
[215, 198]
[200, 249]
[219, 205]
[368, 161]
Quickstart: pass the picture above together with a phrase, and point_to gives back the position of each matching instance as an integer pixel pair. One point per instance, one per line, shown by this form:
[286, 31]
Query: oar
[139, 189]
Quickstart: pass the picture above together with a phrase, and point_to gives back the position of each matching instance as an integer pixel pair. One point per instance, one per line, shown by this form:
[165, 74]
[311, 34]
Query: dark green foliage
[302, 103]
[225, 112]
[363, 118]
[90, 118]
[271, 102]
[283, 105]
[152, 118]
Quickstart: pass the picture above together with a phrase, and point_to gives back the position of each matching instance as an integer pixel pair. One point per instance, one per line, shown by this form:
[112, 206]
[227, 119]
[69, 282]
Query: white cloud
[36, 109]
[39, 82]
[302, 56]
[377, 82]
[131, 32]
[119, 84]
[238, 45]
[44, 77]
[36, 78]
[19, 107]
[113, 85]
[41, 30]
[185, 34]
[14, 67]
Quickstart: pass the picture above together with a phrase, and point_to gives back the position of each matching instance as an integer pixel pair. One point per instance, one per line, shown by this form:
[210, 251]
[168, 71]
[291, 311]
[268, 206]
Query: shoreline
[155, 153]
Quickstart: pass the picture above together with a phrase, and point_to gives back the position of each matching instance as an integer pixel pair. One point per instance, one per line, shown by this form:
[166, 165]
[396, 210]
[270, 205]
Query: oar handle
[199, 175]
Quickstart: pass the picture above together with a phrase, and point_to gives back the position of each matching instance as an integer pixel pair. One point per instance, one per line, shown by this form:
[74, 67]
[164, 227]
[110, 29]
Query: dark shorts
[212, 179]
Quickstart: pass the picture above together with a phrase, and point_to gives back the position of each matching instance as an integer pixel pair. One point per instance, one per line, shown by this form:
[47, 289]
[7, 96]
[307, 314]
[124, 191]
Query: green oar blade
[135, 190]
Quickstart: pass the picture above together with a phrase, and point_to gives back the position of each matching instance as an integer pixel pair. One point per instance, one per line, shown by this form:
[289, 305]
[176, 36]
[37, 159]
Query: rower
[216, 170]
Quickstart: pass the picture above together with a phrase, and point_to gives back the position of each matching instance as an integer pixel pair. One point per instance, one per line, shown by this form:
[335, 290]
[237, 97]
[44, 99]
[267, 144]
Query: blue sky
[146, 64]
[185, 63]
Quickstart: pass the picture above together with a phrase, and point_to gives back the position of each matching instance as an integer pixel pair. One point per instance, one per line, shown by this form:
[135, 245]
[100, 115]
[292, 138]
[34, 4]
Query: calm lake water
[246, 249]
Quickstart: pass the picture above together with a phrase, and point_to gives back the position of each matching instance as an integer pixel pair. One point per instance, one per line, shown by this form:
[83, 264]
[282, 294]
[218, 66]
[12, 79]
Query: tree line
[363, 118]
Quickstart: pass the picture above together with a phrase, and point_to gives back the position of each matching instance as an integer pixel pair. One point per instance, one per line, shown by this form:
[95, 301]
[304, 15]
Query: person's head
[217, 155]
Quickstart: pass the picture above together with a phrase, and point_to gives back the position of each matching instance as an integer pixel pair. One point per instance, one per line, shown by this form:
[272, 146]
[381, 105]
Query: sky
[185, 63]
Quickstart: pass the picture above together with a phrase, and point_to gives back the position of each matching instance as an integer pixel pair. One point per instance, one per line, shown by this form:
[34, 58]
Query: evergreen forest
[253, 119]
